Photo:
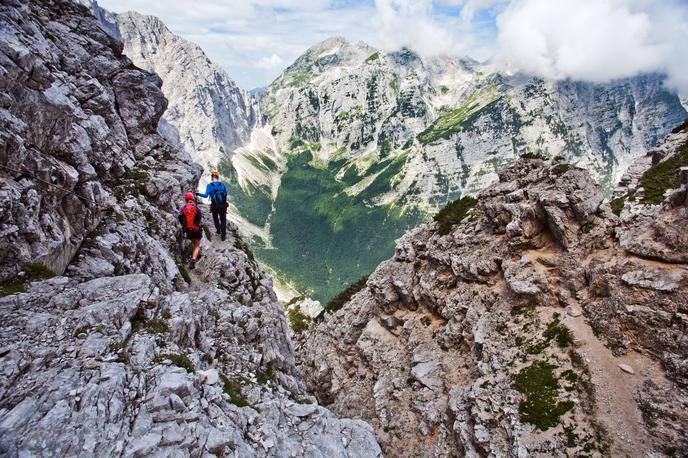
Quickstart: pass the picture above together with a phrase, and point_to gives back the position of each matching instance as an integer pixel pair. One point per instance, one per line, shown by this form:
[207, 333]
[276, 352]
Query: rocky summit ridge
[109, 346]
[535, 320]
[208, 115]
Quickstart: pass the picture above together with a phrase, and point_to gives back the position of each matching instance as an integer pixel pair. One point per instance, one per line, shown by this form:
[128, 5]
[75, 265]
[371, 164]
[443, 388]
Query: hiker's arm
[207, 191]
[180, 218]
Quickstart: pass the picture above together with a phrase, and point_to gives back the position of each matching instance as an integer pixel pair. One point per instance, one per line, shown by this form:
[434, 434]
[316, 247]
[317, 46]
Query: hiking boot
[192, 265]
[223, 237]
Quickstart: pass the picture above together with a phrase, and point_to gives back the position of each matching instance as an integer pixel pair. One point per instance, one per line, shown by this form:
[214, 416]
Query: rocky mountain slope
[208, 114]
[385, 139]
[108, 345]
[531, 321]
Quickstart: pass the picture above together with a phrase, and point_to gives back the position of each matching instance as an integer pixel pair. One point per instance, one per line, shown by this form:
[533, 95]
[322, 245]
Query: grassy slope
[325, 239]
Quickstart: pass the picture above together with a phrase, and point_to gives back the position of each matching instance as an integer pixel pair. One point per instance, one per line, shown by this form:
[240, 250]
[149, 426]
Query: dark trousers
[219, 218]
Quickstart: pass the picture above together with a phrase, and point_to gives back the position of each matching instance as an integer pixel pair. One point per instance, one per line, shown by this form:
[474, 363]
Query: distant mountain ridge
[397, 136]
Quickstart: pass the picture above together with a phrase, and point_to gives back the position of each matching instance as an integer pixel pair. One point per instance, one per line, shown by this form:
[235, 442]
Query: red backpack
[192, 217]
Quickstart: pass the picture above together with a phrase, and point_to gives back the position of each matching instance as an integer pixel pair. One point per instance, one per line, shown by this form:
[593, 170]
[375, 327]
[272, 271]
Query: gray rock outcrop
[108, 345]
[461, 345]
[208, 115]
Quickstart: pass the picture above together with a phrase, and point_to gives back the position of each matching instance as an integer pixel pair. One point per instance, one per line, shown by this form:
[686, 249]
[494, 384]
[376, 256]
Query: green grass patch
[180, 360]
[300, 79]
[34, 271]
[456, 119]
[618, 205]
[156, 326]
[298, 322]
[561, 169]
[541, 388]
[343, 297]
[37, 271]
[526, 309]
[453, 213]
[663, 176]
[12, 286]
[560, 333]
[268, 375]
[232, 387]
[372, 58]
[183, 271]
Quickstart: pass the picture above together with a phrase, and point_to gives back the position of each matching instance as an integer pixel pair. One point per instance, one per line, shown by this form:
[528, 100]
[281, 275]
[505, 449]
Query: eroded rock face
[118, 354]
[208, 115]
[446, 347]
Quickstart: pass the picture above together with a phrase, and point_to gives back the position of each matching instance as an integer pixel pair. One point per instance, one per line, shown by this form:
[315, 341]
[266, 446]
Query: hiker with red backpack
[190, 219]
[217, 191]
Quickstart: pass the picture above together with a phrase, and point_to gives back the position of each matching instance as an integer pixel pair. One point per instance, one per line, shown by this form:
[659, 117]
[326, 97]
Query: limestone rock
[119, 354]
[438, 351]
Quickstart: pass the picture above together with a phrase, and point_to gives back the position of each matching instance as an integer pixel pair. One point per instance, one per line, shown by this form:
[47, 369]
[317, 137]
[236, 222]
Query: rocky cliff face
[540, 324]
[208, 115]
[108, 345]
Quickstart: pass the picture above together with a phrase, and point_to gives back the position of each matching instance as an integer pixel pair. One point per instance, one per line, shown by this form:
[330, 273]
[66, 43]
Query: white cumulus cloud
[273, 61]
[595, 40]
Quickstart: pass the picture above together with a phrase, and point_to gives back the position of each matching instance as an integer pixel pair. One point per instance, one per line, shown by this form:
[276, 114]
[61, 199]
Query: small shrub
[537, 348]
[541, 388]
[342, 298]
[37, 271]
[178, 360]
[561, 169]
[586, 228]
[117, 345]
[183, 272]
[560, 333]
[617, 205]
[263, 377]
[233, 389]
[426, 321]
[522, 309]
[453, 213]
[532, 155]
[166, 314]
[13, 286]
[156, 326]
[298, 322]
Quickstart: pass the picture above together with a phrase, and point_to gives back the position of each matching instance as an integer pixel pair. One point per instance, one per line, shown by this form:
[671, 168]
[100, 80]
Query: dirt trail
[615, 403]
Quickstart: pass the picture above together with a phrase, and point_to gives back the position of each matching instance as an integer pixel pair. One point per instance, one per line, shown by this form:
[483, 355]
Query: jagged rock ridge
[542, 324]
[208, 114]
[117, 353]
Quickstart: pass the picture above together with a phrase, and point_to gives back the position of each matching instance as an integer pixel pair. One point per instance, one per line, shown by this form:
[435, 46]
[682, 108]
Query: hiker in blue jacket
[217, 191]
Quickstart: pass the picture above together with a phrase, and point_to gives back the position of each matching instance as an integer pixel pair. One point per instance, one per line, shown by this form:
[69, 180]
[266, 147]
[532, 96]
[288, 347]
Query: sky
[591, 40]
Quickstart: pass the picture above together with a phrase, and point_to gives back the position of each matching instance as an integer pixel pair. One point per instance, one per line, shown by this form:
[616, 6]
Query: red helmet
[189, 196]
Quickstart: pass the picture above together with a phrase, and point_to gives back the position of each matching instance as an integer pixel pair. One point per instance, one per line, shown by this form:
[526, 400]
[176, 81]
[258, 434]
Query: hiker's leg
[216, 218]
[196, 249]
[223, 222]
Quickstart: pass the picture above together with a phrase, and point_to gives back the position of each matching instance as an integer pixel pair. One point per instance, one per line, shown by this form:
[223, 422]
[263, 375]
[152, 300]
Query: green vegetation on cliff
[325, 238]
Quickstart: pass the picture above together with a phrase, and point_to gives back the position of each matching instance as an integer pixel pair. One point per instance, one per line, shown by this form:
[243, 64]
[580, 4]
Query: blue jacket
[213, 188]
